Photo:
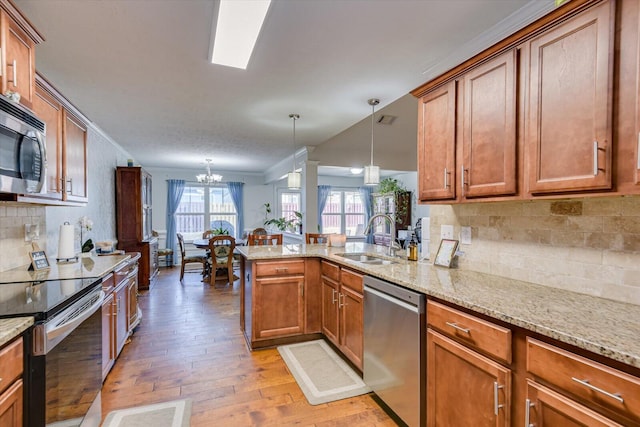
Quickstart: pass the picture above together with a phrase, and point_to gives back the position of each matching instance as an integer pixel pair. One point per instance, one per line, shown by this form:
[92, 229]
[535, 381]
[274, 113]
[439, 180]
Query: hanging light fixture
[372, 172]
[293, 178]
[209, 178]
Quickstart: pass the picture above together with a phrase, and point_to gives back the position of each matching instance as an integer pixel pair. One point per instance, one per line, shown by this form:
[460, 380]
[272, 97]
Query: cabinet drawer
[486, 337]
[279, 268]
[108, 283]
[599, 385]
[352, 280]
[332, 271]
[10, 364]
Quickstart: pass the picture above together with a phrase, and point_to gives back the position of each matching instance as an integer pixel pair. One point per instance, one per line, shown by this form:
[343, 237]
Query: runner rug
[176, 413]
[321, 374]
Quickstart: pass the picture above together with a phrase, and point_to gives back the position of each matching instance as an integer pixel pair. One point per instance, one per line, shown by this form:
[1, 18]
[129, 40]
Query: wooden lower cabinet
[108, 335]
[279, 306]
[120, 313]
[545, 407]
[11, 386]
[465, 388]
[343, 311]
[11, 406]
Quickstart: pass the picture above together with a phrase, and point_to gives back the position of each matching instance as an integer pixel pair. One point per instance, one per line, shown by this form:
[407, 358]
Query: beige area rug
[176, 413]
[321, 374]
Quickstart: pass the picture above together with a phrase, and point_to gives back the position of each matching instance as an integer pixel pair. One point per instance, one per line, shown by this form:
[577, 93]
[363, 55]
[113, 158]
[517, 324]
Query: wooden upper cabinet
[18, 60]
[75, 158]
[569, 120]
[437, 144]
[489, 128]
[49, 110]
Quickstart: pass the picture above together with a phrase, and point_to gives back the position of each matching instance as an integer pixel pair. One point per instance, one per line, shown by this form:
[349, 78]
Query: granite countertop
[13, 327]
[85, 268]
[602, 326]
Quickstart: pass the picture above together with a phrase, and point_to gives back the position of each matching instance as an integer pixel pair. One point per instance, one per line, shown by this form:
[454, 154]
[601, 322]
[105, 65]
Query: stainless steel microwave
[23, 158]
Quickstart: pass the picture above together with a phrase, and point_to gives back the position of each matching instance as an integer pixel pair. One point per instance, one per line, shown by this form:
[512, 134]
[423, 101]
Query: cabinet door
[463, 387]
[545, 407]
[11, 406]
[436, 144]
[279, 306]
[569, 117]
[132, 303]
[75, 158]
[19, 61]
[48, 109]
[489, 128]
[330, 293]
[352, 325]
[108, 335]
[122, 332]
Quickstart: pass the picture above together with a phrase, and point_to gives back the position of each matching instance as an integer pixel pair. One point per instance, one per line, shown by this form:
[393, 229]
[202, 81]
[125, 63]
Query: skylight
[237, 30]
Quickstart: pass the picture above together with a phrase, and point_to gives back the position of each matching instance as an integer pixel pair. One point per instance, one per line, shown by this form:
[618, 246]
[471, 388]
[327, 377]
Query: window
[289, 203]
[344, 213]
[204, 207]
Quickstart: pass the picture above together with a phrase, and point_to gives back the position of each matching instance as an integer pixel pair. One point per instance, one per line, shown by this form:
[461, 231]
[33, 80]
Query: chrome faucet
[393, 245]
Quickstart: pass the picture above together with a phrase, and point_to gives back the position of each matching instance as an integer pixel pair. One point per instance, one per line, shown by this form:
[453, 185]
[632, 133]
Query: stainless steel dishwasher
[394, 348]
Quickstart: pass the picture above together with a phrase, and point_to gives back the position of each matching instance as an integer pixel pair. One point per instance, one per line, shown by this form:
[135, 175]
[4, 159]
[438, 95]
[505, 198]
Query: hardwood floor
[189, 345]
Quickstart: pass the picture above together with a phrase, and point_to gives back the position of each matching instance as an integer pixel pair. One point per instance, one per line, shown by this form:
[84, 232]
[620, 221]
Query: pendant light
[293, 177]
[372, 172]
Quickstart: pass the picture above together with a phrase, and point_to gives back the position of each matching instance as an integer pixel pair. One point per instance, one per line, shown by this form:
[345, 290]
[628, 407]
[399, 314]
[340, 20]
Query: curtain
[175, 188]
[236, 191]
[323, 195]
[367, 201]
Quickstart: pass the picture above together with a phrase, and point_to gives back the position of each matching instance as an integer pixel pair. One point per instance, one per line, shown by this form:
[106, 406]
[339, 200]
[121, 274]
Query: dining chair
[265, 239]
[259, 230]
[167, 253]
[192, 259]
[316, 237]
[221, 249]
[208, 233]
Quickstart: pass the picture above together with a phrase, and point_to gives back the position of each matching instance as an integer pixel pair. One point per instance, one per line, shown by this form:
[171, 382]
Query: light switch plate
[465, 235]
[446, 231]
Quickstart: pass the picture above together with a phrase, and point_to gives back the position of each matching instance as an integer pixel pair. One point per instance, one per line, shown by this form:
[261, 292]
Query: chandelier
[209, 178]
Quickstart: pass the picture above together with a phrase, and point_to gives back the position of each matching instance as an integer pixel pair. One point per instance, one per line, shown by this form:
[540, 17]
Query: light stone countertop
[85, 268]
[602, 326]
[13, 327]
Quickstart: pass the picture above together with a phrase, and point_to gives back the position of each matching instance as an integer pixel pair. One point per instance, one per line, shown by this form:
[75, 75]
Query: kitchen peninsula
[531, 322]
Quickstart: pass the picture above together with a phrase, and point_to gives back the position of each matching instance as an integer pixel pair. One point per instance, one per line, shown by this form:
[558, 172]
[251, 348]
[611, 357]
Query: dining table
[204, 243]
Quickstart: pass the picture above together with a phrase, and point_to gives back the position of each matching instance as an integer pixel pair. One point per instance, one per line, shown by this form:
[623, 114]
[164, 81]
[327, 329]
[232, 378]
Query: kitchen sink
[368, 259]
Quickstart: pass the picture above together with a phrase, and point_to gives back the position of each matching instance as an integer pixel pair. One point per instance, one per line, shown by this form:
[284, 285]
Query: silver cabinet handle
[496, 405]
[527, 413]
[282, 269]
[462, 174]
[595, 158]
[638, 152]
[341, 304]
[459, 328]
[446, 178]
[333, 296]
[614, 396]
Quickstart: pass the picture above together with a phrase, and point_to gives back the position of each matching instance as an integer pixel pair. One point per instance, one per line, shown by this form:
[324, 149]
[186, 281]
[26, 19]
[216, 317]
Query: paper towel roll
[66, 241]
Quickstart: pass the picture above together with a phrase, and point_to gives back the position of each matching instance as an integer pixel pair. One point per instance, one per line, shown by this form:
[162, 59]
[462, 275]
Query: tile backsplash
[589, 245]
[14, 250]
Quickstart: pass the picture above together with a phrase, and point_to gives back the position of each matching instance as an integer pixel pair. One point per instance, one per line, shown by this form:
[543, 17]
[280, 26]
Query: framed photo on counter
[39, 260]
[446, 252]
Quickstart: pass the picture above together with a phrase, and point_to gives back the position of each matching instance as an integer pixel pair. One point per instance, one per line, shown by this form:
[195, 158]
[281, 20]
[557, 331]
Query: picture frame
[39, 260]
[446, 252]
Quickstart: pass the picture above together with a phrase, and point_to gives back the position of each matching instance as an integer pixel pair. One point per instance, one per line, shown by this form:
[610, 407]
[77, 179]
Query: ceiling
[139, 70]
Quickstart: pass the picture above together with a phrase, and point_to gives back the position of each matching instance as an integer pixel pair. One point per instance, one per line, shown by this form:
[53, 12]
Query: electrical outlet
[446, 231]
[31, 232]
[465, 235]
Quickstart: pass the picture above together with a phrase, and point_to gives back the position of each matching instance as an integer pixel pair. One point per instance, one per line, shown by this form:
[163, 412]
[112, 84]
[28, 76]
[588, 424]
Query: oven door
[66, 366]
